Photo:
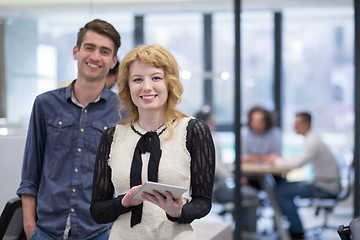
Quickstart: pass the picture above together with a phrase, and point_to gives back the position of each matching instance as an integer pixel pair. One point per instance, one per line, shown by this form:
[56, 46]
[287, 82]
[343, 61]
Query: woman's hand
[128, 200]
[171, 206]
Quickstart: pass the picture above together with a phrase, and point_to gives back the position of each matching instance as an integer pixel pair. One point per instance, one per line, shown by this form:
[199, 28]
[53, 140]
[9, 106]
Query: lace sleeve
[104, 207]
[200, 145]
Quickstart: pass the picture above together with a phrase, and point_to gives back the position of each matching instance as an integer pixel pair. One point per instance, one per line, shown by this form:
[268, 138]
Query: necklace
[139, 133]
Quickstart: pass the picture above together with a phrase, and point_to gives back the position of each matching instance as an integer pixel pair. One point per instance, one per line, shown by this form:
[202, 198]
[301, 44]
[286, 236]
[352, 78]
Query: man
[64, 131]
[326, 181]
[111, 77]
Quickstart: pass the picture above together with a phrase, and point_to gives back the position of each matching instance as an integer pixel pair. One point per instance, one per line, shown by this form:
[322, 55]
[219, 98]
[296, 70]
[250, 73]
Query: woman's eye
[157, 78]
[137, 79]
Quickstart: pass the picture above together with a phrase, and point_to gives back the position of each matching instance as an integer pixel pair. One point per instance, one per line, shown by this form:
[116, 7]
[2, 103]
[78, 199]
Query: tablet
[148, 187]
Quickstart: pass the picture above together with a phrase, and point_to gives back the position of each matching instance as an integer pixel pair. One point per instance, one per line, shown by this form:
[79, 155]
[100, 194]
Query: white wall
[11, 156]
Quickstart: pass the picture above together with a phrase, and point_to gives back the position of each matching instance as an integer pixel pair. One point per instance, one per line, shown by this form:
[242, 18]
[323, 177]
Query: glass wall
[319, 76]
[317, 61]
[38, 51]
[185, 42]
[256, 63]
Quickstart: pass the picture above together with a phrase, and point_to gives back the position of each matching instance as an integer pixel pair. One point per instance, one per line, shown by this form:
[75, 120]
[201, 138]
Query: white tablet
[148, 187]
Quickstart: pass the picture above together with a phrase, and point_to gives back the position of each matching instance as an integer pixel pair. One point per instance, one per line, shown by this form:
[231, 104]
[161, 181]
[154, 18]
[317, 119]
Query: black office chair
[11, 221]
[351, 231]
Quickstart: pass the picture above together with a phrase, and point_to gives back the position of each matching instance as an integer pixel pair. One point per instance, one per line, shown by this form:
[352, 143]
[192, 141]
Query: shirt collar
[106, 93]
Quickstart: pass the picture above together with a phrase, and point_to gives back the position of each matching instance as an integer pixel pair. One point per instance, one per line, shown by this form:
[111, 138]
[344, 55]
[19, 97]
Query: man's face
[300, 126]
[94, 57]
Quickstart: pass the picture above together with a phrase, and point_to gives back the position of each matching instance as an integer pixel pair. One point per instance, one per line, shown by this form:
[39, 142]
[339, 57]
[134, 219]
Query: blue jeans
[38, 234]
[285, 194]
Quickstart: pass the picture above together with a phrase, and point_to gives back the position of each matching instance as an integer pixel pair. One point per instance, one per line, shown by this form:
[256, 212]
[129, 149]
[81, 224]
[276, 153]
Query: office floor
[342, 215]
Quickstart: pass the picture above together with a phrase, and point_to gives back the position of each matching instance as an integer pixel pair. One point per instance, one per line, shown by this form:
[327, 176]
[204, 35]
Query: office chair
[327, 205]
[11, 221]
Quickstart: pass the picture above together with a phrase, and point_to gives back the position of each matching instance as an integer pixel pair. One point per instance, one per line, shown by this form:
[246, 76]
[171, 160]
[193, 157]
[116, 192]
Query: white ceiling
[247, 4]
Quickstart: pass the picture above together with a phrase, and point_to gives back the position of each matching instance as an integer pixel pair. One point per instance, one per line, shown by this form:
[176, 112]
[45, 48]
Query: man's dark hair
[267, 117]
[100, 27]
[114, 70]
[305, 116]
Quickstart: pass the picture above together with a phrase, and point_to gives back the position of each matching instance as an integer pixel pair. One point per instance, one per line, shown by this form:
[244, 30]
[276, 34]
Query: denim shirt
[59, 159]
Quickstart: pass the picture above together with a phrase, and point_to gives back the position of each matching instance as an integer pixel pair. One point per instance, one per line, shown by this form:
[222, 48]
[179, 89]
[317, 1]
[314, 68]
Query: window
[182, 35]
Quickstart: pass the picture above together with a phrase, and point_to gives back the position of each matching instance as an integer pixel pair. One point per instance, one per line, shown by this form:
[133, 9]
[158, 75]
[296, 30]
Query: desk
[265, 173]
[264, 168]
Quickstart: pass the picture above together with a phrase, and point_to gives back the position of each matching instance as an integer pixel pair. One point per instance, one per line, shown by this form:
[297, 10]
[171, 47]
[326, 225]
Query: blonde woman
[158, 143]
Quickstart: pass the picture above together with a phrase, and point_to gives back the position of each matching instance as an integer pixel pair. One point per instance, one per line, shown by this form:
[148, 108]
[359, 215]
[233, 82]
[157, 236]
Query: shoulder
[50, 94]
[313, 136]
[197, 126]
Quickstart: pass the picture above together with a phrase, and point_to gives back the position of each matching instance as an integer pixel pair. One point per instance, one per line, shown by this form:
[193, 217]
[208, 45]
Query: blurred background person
[262, 140]
[326, 181]
[222, 170]
[111, 78]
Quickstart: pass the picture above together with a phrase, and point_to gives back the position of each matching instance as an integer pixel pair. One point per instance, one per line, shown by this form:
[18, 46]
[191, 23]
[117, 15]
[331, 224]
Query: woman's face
[148, 87]
[257, 122]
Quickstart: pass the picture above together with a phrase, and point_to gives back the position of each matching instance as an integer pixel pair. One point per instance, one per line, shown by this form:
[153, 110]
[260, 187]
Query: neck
[87, 92]
[151, 121]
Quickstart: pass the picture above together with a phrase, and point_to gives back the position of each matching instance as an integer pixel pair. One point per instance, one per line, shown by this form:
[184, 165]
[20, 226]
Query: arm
[29, 214]
[202, 151]
[308, 153]
[104, 207]
[32, 166]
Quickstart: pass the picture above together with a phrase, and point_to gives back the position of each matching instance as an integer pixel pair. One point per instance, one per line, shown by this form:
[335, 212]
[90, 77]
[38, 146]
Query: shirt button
[85, 111]
[105, 127]
[60, 123]
[74, 190]
[79, 149]
[72, 210]
[76, 170]
[81, 130]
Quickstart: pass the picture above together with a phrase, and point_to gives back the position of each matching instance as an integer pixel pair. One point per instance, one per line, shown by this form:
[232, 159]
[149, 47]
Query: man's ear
[75, 52]
[114, 62]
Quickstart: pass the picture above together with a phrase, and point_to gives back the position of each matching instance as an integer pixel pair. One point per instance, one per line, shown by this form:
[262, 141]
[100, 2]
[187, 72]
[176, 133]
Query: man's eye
[105, 52]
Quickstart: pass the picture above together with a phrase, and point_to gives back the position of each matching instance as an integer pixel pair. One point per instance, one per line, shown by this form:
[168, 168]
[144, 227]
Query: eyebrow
[102, 47]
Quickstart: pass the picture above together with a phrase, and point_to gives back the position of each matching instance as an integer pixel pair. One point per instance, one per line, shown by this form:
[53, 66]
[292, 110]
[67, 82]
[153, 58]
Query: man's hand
[29, 214]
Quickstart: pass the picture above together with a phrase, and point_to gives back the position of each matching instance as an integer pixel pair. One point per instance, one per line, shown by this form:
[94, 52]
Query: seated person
[326, 181]
[261, 142]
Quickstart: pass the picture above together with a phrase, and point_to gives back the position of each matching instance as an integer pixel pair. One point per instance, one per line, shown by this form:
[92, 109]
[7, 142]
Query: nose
[147, 84]
[95, 55]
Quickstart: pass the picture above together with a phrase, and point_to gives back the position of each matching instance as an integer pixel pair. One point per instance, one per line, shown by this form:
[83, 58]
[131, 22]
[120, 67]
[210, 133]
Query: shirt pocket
[60, 133]
[97, 129]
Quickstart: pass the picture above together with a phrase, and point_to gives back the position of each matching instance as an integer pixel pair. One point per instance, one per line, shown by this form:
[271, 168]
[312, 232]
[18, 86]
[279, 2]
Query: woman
[156, 143]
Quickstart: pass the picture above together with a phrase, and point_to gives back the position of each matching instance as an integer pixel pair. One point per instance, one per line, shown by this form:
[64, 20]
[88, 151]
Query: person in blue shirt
[262, 142]
[262, 139]
[63, 136]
